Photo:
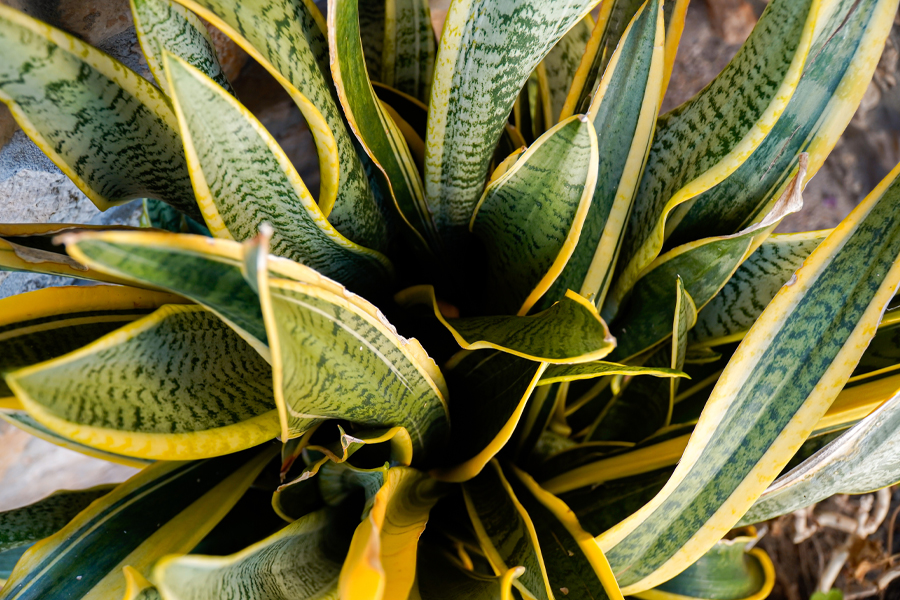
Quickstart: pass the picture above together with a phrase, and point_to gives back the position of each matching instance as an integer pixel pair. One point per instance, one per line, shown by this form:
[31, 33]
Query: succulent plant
[524, 309]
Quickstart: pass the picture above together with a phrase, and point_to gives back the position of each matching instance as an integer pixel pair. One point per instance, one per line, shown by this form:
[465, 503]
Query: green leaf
[575, 564]
[137, 587]
[861, 460]
[243, 179]
[345, 446]
[833, 594]
[780, 382]
[623, 111]
[543, 407]
[557, 71]
[287, 37]
[708, 137]
[409, 47]
[381, 562]
[30, 248]
[645, 404]
[29, 524]
[613, 20]
[883, 354]
[531, 217]
[175, 385]
[163, 26]
[375, 129]
[728, 571]
[334, 355]
[602, 506]
[303, 560]
[734, 309]
[208, 271]
[490, 391]
[371, 31]
[60, 90]
[503, 41]
[637, 461]
[590, 370]
[541, 337]
[505, 530]
[705, 267]
[442, 577]
[44, 324]
[846, 49]
[166, 508]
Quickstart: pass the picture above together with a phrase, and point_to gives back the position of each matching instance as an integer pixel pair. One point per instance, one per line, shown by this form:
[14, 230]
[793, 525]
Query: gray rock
[34, 190]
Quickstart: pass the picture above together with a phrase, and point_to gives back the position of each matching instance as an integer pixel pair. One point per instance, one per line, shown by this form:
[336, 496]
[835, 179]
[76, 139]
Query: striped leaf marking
[107, 128]
[645, 404]
[381, 562]
[242, 179]
[863, 459]
[599, 368]
[734, 309]
[502, 42]
[167, 508]
[303, 560]
[531, 217]
[782, 379]
[375, 129]
[843, 57]
[728, 570]
[205, 270]
[540, 337]
[574, 562]
[505, 530]
[371, 33]
[623, 111]
[44, 324]
[287, 37]
[613, 20]
[558, 68]
[41, 519]
[490, 392]
[407, 60]
[163, 26]
[443, 577]
[704, 140]
[177, 384]
[159, 215]
[850, 406]
[334, 355]
[705, 266]
[22, 420]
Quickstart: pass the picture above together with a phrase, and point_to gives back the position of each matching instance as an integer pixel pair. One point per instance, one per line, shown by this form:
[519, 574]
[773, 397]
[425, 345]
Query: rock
[34, 190]
[31, 469]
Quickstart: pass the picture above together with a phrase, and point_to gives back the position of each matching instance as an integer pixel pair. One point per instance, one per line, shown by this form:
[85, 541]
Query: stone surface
[31, 469]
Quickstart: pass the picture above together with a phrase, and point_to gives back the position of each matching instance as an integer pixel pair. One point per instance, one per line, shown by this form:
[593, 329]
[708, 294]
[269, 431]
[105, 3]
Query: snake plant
[528, 339]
